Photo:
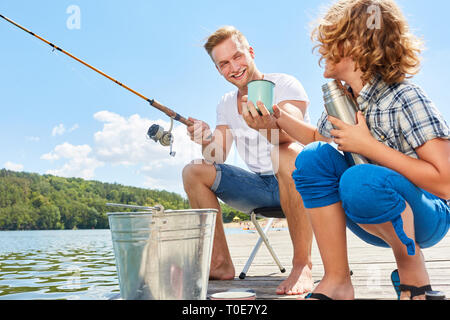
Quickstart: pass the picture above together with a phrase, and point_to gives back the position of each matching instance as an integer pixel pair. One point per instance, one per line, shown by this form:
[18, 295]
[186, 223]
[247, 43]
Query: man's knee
[283, 159]
[198, 172]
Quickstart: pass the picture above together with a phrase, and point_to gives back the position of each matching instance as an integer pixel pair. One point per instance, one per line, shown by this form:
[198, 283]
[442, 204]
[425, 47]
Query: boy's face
[234, 62]
[339, 70]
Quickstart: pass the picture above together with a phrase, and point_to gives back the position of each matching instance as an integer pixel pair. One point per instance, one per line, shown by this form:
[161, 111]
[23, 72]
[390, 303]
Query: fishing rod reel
[165, 138]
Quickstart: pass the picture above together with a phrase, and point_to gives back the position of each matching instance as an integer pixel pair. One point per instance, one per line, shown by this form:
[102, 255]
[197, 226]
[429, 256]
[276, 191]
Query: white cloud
[59, 130]
[80, 162]
[74, 127]
[123, 142]
[67, 151]
[160, 184]
[51, 156]
[13, 166]
[33, 139]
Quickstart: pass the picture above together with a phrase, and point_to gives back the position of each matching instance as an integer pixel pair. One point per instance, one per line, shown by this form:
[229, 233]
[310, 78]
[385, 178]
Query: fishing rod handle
[172, 114]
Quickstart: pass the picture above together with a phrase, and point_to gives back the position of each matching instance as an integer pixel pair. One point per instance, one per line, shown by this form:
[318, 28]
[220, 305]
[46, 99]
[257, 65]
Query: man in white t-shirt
[268, 152]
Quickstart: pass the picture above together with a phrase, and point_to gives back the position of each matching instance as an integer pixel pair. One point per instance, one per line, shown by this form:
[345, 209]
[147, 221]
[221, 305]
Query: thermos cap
[330, 86]
[333, 91]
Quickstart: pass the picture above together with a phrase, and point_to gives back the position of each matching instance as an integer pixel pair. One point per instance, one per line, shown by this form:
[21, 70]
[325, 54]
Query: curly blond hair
[375, 34]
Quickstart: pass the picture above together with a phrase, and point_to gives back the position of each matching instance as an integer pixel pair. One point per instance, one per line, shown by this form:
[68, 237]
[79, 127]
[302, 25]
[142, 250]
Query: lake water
[66, 264]
[70, 264]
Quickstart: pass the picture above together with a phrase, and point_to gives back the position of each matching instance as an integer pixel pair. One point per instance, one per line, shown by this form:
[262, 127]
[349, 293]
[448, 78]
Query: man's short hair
[222, 34]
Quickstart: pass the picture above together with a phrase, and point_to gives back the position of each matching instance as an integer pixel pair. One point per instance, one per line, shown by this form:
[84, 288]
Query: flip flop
[399, 288]
[318, 296]
[416, 291]
[395, 279]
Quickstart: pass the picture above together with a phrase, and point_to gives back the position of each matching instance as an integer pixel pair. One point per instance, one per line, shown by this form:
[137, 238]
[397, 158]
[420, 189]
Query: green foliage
[29, 201]
[228, 213]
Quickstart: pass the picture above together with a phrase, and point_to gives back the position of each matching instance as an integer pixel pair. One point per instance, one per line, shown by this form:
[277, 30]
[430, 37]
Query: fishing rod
[155, 132]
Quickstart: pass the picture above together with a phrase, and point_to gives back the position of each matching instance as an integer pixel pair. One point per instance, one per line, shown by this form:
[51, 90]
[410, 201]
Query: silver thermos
[341, 106]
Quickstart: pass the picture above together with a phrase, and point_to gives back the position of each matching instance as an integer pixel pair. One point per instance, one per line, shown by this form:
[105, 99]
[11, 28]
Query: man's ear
[252, 52]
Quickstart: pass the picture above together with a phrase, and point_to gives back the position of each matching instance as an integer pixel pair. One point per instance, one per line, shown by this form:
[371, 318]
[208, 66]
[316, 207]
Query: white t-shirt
[252, 147]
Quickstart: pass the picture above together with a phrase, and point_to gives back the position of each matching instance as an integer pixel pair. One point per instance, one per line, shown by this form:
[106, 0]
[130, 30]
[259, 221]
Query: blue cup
[261, 90]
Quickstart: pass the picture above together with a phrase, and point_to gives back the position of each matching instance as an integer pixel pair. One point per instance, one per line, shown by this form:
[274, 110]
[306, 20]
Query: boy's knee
[312, 154]
[319, 167]
[365, 194]
[353, 185]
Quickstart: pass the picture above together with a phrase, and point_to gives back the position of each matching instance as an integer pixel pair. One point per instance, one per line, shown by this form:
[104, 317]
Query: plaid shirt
[400, 116]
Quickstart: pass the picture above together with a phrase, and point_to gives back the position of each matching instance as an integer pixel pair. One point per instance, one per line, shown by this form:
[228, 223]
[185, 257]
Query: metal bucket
[163, 255]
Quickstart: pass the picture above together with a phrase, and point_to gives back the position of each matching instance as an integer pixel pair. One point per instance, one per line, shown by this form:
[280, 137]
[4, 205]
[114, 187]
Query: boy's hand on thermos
[352, 138]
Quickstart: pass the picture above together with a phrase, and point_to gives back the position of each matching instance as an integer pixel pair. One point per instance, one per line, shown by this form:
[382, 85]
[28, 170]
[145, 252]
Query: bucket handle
[158, 208]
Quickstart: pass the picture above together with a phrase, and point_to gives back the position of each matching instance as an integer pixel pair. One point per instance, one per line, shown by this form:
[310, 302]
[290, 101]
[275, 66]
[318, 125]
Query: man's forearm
[213, 152]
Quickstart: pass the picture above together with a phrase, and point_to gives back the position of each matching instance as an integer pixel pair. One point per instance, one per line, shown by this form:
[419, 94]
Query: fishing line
[156, 132]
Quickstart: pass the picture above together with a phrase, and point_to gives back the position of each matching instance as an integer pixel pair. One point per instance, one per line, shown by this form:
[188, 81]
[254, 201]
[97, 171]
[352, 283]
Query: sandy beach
[277, 224]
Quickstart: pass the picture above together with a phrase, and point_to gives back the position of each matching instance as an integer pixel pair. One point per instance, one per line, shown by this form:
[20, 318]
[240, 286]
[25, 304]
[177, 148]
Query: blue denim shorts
[244, 190]
[370, 195]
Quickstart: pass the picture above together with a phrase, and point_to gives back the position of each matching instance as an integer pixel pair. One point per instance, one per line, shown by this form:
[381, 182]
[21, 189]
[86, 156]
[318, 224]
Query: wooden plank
[371, 266]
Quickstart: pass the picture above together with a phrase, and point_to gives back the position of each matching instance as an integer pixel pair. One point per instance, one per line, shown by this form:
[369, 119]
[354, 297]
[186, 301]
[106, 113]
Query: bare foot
[412, 271]
[336, 289]
[224, 271]
[298, 282]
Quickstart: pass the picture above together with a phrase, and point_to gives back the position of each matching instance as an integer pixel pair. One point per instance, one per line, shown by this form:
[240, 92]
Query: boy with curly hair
[399, 200]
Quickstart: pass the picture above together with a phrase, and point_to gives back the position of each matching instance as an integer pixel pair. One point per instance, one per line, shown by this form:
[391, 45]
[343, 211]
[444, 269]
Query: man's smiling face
[234, 61]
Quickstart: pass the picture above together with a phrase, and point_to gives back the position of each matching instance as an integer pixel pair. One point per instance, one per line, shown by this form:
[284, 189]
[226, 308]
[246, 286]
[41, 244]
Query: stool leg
[266, 241]
[262, 238]
[251, 258]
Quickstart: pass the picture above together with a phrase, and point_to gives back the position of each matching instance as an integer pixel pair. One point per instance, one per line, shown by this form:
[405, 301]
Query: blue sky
[59, 117]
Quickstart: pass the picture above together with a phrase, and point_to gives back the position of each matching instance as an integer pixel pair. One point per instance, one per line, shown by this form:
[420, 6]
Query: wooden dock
[371, 267]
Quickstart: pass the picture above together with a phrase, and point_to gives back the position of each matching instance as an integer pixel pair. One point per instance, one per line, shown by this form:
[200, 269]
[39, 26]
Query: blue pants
[244, 190]
[370, 195]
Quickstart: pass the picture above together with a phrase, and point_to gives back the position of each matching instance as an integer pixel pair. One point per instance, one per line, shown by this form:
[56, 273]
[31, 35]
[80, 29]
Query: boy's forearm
[300, 130]
[276, 136]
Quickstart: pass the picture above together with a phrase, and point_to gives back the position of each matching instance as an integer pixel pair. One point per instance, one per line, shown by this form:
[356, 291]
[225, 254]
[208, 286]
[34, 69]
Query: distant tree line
[30, 201]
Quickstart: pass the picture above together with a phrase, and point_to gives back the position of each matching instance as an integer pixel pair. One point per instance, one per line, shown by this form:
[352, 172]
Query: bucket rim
[166, 212]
